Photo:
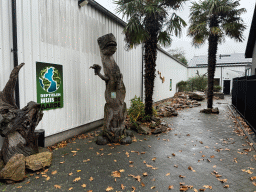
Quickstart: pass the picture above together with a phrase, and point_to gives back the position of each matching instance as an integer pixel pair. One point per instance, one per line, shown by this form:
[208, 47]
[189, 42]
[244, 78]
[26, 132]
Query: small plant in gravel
[137, 114]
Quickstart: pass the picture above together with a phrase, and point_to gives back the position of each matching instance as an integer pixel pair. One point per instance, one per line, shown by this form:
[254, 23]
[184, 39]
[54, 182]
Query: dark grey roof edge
[229, 65]
[168, 54]
[252, 37]
[103, 10]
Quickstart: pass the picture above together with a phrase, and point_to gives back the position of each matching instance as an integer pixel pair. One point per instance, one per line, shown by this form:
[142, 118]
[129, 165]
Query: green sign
[49, 82]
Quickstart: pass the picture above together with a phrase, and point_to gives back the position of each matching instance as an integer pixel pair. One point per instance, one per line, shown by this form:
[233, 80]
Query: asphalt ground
[201, 151]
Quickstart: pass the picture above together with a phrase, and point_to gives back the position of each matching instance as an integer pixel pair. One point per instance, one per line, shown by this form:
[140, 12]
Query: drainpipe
[221, 82]
[142, 47]
[15, 48]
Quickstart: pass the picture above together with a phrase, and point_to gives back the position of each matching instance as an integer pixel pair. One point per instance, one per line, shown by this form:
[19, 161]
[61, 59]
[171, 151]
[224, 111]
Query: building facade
[65, 33]
[228, 67]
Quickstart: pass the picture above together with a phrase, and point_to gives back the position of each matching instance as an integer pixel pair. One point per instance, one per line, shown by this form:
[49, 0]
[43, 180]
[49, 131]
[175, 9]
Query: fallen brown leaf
[167, 174]
[109, 188]
[57, 186]
[153, 187]
[54, 172]
[142, 184]
[91, 179]
[181, 176]
[252, 178]
[70, 188]
[170, 187]
[84, 185]
[145, 174]
[122, 186]
[226, 186]
[207, 186]
[77, 179]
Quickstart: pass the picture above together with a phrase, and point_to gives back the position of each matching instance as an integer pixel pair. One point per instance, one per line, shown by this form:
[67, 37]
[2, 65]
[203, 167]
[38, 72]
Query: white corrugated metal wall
[6, 56]
[169, 69]
[62, 33]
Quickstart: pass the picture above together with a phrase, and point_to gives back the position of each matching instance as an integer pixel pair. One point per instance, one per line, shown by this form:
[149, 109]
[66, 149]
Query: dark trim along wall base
[53, 139]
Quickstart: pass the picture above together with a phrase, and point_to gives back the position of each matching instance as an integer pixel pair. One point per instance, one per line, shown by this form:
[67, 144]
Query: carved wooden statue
[115, 107]
[17, 125]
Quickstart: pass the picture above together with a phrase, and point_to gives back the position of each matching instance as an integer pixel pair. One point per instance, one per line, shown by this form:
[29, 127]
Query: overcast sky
[230, 46]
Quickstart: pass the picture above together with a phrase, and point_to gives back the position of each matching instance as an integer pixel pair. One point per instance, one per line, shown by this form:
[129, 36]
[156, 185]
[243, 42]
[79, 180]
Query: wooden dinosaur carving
[115, 107]
[17, 126]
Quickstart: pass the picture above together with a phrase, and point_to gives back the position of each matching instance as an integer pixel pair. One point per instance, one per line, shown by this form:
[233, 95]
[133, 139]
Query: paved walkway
[197, 147]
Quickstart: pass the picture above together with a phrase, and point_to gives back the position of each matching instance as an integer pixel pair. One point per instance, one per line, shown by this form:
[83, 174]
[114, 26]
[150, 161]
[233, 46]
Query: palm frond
[135, 32]
[175, 24]
[164, 38]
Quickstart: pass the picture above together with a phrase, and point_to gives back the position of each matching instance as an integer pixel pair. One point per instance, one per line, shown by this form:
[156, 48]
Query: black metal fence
[244, 98]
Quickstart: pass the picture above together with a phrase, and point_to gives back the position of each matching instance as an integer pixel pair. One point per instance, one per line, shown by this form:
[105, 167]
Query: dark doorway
[226, 88]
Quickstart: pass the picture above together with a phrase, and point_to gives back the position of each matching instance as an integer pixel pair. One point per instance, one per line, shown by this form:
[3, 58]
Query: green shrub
[217, 88]
[137, 111]
[198, 83]
[182, 86]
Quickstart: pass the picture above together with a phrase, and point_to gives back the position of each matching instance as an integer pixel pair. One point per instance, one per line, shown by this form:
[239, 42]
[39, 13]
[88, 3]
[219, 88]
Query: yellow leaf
[181, 176]
[37, 177]
[86, 160]
[57, 186]
[73, 151]
[84, 185]
[254, 183]
[70, 174]
[54, 172]
[62, 162]
[91, 179]
[167, 174]
[153, 187]
[70, 188]
[131, 162]
[19, 187]
[47, 178]
[145, 174]
[78, 171]
[77, 179]
[195, 190]
[226, 186]
[109, 188]
[154, 159]
[121, 170]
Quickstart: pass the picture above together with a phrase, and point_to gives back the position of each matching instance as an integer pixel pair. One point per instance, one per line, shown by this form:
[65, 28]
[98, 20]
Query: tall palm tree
[213, 20]
[150, 23]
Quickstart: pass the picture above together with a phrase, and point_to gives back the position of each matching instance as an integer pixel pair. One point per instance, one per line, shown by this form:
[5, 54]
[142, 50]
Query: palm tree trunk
[212, 51]
[150, 62]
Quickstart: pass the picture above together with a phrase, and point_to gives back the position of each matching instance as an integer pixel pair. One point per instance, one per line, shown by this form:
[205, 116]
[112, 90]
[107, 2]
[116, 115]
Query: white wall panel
[62, 33]
[6, 56]
[170, 69]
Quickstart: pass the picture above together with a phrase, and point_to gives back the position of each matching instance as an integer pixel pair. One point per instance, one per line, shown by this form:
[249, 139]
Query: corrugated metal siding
[6, 56]
[62, 33]
[170, 69]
